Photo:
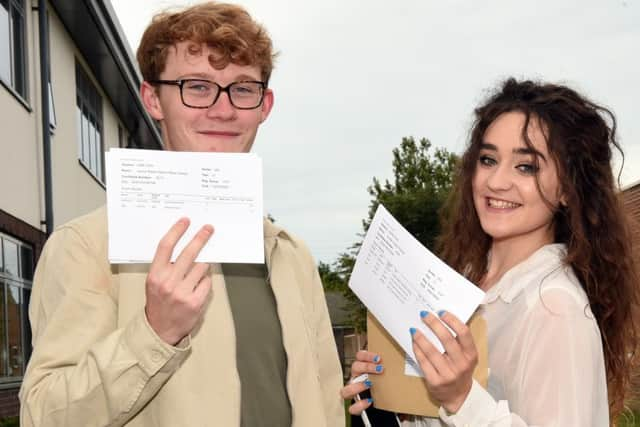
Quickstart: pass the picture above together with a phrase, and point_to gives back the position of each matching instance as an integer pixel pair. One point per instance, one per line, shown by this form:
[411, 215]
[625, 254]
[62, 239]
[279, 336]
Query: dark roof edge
[125, 59]
[108, 29]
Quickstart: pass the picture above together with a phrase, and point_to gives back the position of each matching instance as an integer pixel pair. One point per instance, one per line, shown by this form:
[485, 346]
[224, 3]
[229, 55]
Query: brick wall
[23, 231]
[9, 404]
[631, 201]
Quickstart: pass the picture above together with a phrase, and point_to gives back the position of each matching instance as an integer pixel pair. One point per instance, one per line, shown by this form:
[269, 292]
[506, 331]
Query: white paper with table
[149, 190]
[396, 277]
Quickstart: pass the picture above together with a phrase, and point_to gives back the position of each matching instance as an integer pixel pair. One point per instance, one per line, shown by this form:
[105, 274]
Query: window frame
[24, 285]
[17, 45]
[90, 125]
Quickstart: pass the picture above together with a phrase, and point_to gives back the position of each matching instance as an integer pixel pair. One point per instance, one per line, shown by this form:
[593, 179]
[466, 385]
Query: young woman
[537, 223]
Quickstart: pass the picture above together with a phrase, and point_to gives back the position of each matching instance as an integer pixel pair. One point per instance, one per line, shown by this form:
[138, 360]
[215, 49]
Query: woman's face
[509, 204]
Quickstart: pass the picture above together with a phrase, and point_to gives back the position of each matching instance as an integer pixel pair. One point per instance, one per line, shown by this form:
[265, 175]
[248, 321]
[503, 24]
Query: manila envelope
[393, 390]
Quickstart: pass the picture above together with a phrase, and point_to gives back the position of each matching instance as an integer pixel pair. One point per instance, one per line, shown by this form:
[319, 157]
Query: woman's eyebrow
[529, 151]
[524, 151]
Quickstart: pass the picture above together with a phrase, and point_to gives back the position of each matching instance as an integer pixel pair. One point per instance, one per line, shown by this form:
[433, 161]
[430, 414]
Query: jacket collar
[541, 263]
[271, 230]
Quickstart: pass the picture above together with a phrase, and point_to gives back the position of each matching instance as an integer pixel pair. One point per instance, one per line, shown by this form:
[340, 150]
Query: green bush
[629, 419]
[10, 422]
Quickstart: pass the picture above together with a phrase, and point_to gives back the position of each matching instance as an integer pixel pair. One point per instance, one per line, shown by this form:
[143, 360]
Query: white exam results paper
[149, 190]
[396, 277]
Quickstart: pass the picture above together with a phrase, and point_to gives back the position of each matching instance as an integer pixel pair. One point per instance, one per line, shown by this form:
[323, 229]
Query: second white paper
[396, 278]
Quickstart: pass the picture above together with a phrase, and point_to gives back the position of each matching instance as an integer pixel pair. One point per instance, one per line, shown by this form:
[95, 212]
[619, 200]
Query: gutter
[43, 34]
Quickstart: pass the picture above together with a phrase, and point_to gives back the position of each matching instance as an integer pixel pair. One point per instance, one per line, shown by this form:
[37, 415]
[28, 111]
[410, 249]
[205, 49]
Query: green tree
[331, 280]
[422, 180]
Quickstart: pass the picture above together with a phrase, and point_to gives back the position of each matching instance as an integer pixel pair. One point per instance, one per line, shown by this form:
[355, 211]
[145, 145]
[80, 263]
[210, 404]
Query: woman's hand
[448, 376]
[366, 363]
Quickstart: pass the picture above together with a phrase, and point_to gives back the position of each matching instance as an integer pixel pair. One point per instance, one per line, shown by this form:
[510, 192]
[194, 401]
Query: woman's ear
[563, 201]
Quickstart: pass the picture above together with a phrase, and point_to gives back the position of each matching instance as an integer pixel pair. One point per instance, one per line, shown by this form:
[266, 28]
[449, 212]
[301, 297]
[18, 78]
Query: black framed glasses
[198, 93]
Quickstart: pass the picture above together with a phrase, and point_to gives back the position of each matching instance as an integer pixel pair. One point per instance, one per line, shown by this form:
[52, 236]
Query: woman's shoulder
[560, 293]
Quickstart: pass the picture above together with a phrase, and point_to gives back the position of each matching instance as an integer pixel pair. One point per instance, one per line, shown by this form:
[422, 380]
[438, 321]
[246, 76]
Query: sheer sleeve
[559, 376]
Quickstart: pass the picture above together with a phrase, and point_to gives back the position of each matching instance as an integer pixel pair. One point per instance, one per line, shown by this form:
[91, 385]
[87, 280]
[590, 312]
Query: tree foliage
[422, 180]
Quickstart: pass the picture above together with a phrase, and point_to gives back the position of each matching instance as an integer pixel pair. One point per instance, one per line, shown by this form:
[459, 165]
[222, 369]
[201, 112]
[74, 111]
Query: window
[12, 46]
[16, 274]
[122, 139]
[89, 124]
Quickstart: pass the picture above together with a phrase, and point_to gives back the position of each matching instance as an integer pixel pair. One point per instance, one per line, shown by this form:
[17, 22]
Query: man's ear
[151, 101]
[267, 105]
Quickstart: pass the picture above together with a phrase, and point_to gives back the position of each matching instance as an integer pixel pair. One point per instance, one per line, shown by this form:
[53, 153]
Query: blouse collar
[542, 262]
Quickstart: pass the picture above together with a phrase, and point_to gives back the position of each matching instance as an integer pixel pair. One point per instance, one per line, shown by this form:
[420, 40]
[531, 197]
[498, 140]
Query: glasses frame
[181, 82]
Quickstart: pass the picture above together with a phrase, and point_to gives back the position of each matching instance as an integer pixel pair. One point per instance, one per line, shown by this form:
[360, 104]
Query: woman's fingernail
[441, 313]
[424, 313]
[412, 331]
[370, 400]
[367, 383]
[376, 359]
[379, 368]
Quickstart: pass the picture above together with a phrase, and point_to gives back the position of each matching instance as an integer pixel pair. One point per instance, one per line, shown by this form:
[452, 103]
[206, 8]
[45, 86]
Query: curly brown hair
[226, 29]
[581, 136]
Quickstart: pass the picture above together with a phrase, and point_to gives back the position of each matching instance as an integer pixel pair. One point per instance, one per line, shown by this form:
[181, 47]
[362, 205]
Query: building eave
[95, 30]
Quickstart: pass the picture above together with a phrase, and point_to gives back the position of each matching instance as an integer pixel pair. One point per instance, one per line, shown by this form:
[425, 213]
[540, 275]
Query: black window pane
[19, 69]
[26, 294]
[14, 331]
[99, 154]
[5, 42]
[4, 355]
[85, 136]
[26, 262]
[10, 250]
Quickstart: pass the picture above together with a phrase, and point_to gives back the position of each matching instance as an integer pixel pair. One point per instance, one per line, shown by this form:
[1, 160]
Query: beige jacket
[96, 361]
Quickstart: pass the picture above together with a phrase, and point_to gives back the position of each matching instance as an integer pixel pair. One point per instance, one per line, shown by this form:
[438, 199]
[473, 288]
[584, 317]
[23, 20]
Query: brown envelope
[397, 392]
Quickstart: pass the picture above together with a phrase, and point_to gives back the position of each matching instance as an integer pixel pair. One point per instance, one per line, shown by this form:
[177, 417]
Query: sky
[353, 77]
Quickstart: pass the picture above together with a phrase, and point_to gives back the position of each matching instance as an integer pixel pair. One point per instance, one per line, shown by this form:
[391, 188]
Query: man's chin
[224, 146]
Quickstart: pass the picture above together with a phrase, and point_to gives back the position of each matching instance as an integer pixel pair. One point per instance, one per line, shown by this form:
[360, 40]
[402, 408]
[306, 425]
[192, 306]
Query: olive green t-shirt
[261, 359]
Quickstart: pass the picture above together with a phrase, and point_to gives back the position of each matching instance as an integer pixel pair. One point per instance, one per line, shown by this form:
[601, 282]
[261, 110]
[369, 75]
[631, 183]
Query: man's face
[219, 128]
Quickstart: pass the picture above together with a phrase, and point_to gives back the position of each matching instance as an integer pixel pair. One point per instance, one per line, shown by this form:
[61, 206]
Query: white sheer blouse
[545, 353]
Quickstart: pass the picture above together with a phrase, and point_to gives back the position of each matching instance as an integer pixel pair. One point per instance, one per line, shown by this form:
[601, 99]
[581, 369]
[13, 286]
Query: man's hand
[176, 292]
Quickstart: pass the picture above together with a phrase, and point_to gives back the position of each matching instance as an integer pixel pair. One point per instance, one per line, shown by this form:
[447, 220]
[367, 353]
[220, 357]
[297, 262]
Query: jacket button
[156, 356]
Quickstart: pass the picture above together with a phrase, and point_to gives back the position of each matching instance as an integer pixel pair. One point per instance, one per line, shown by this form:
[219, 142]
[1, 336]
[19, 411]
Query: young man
[185, 343]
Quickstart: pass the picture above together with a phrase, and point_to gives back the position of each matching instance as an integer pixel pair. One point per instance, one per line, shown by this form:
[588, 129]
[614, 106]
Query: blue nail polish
[370, 400]
[441, 313]
[379, 368]
[412, 331]
[367, 383]
[376, 359]
[424, 313]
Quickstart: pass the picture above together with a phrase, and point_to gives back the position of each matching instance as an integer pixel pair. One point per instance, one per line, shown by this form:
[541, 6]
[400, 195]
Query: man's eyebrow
[205, 76]
[525, 151]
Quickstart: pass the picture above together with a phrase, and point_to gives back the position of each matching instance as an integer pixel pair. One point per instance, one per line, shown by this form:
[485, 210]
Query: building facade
[68, 92]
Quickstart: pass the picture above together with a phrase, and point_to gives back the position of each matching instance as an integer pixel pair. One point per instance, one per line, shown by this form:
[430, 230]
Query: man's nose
[222, 108]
